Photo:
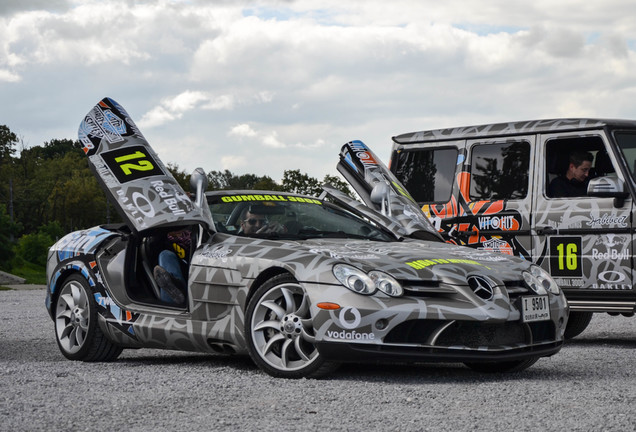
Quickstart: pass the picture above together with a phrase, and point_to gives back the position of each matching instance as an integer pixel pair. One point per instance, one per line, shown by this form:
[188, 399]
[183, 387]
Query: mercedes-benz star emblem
[481, 286]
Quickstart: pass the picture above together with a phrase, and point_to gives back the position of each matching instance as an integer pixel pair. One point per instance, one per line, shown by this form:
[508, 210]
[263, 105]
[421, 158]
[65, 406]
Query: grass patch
[34, 274]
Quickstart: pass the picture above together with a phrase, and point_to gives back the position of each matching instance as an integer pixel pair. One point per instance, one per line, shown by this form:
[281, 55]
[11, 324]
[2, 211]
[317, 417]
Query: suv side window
[499, 171]
[558, 153]
[427, 174]
[627, 144]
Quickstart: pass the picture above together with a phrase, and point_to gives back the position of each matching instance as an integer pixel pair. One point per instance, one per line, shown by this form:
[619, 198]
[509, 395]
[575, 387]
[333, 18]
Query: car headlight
[386, 283]
[362, 283]
[540, 281]
[354, 279]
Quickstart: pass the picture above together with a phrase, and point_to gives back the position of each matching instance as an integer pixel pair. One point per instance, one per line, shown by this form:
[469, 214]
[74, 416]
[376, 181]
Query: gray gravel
[589, 385]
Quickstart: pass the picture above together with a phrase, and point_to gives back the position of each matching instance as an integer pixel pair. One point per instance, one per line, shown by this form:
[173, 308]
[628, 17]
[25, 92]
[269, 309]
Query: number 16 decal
[565, 256]
[131, 163]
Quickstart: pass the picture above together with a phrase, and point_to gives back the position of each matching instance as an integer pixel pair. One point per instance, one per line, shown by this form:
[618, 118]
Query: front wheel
[77, 333]
[577, 322]
[280, 333]
[508, 366]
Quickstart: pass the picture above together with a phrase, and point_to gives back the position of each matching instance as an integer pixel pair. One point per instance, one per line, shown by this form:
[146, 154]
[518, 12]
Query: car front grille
[470, 334]
[515, 289]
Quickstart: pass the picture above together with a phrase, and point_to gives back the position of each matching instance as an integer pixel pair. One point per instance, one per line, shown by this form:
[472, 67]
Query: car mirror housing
[380, 196]
[198, 185]
[608, 186]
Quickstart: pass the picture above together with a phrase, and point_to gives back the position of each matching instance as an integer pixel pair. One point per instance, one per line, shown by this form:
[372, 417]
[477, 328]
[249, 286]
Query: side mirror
[198, 185]
[380, 196]
[607, 187]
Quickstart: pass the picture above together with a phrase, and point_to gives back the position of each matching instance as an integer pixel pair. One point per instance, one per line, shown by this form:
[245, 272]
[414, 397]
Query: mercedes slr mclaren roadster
[300, 283]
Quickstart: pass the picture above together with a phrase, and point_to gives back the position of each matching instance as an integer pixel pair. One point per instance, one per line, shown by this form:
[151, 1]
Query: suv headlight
[362, 283]
[540, 280]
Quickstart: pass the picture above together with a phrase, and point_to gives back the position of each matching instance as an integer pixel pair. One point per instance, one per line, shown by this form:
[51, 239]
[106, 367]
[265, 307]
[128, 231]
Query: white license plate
[535, 308]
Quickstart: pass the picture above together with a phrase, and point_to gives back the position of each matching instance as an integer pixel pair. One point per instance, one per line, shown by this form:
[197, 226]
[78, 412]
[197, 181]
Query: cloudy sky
[264, 86]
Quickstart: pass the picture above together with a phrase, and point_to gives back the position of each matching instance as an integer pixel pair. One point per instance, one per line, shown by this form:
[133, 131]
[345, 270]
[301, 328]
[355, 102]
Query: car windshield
[627, 143]
[288, 217]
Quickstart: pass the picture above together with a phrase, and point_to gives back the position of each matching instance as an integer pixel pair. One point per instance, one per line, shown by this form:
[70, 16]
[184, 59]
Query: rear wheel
[77, 333]
[280, 333]
[577, 322]
[497, 367]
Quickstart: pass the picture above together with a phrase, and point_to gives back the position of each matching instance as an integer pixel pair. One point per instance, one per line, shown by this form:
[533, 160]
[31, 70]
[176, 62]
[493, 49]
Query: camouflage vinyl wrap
[223, 272]
[455, 299]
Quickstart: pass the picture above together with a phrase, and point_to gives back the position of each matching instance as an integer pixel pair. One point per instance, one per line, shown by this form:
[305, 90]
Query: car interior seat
[557, 163]
[603, 164]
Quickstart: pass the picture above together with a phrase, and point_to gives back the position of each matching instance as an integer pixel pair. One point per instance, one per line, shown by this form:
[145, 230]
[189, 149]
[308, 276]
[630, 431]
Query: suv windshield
[288, 217]
[627, 143]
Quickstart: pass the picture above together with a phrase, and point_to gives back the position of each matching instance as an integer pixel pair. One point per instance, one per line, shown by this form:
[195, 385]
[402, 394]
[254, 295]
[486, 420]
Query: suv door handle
[546, 230]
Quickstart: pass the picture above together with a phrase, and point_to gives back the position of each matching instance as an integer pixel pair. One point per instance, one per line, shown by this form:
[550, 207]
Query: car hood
[420, 260]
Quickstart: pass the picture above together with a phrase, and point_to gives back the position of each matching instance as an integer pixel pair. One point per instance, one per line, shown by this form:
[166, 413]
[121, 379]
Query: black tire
[577, 322]
[76, 329]
[498, 367]
[279, 331]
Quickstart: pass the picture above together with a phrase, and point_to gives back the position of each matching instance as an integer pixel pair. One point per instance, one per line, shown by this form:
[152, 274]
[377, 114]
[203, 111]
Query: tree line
[48, 190]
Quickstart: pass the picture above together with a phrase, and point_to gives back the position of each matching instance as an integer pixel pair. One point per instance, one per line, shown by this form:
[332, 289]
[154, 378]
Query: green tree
[33, 248]
[75, 200]
[8, 232]
[53, 229]
[59, 148]
[296, 182]
[338, 183]
[53, 183]
[266, 183]
[8, 141]
[182, 177]
[226, 180]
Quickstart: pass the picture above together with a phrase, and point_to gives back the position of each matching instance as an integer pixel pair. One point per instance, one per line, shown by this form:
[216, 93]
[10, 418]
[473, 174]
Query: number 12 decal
[565, 256]
[142, 164]
[131, 163]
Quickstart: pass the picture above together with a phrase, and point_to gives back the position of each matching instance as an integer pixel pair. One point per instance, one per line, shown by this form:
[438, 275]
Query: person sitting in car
[254, 222]
[573, 183]
[168, 273]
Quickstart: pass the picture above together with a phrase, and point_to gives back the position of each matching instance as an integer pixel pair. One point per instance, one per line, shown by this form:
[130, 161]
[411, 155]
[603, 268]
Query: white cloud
[268, 139]
[231, 163]
[175, 107]
[8, 76]
[157, 116]
[186, 101]
[272, 140]
[242, 130]
[296, 79]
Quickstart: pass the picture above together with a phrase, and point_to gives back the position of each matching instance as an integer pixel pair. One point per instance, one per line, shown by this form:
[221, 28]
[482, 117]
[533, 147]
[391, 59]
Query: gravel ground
[589, 386]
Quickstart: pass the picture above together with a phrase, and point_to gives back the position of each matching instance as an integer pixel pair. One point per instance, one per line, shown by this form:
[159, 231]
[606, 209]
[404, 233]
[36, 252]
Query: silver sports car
[299, 283]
